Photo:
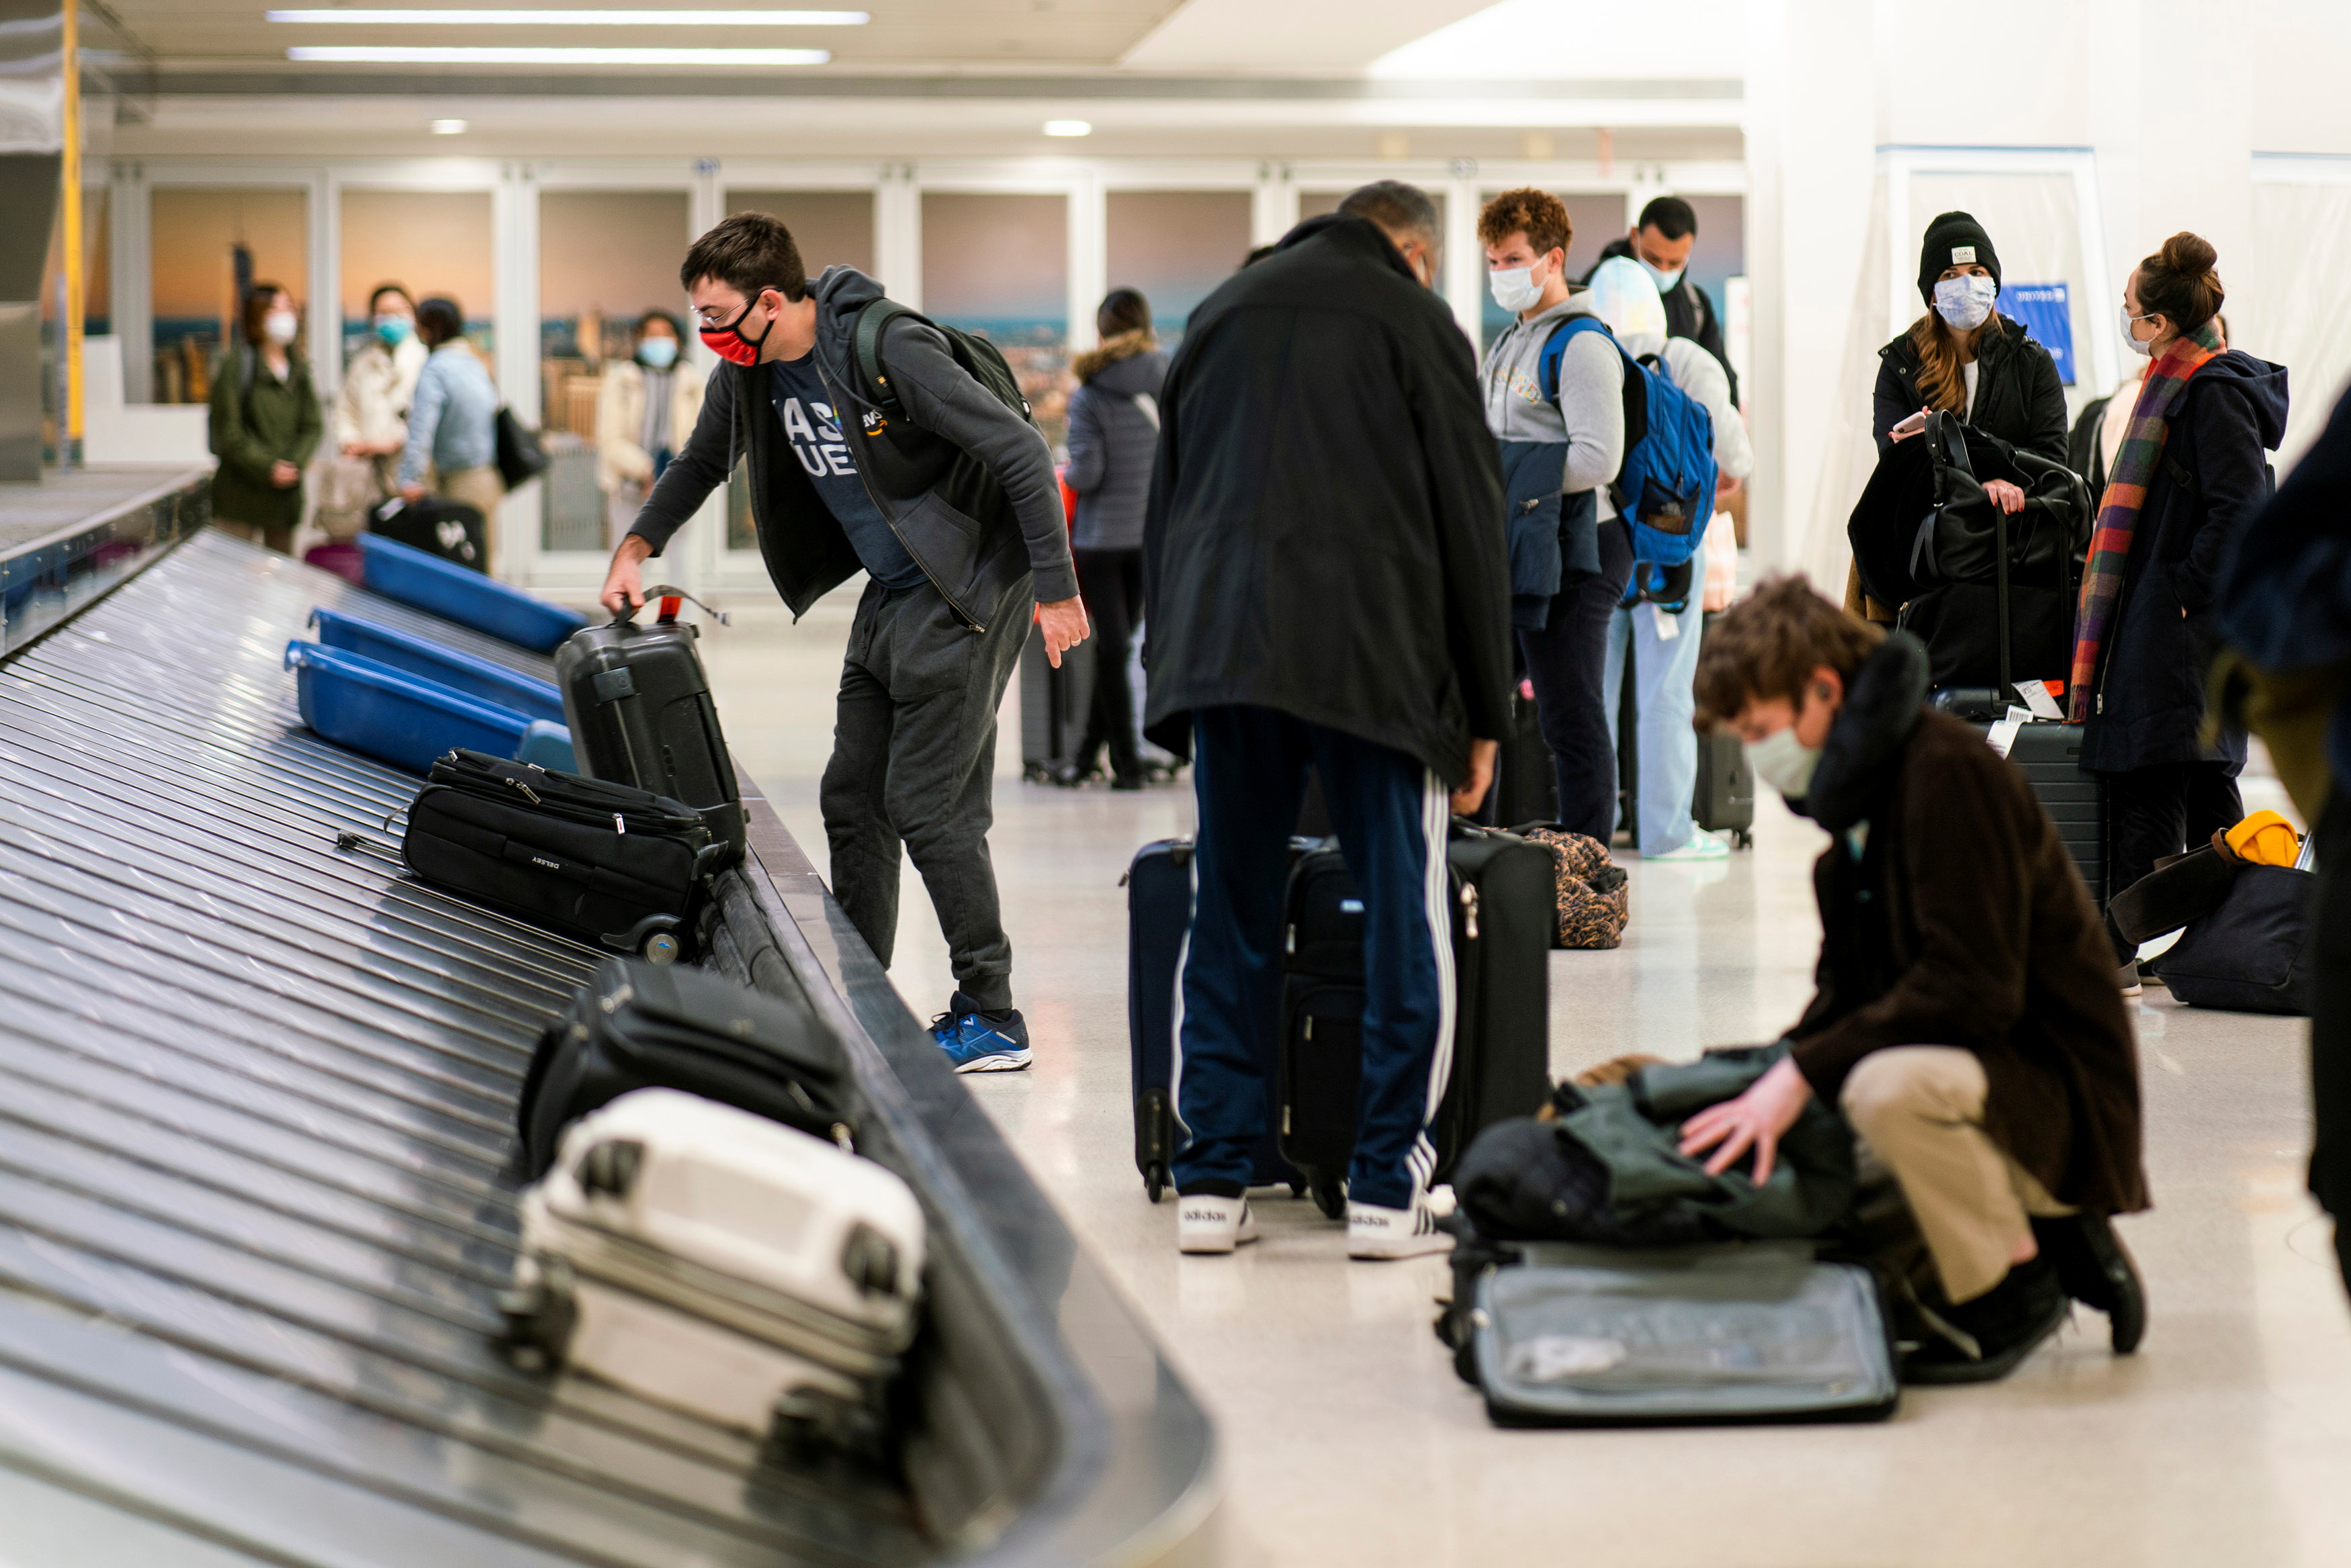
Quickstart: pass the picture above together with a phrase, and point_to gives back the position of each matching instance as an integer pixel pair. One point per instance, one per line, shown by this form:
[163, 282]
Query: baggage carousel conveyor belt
[254, 1198]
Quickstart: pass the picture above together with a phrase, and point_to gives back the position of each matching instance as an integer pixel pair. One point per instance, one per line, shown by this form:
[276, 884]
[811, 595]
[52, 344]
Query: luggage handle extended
[670, 597]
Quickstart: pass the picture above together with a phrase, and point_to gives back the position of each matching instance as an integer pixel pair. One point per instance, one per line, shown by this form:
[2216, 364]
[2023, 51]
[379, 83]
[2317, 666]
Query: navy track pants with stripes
[1391, 814]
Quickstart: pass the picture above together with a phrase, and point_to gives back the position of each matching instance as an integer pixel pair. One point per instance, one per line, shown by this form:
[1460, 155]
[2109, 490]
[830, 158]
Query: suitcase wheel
[1330, 1199]
[1743, 839]
[1154, 1181]
[1298, 1190]
[660, 948]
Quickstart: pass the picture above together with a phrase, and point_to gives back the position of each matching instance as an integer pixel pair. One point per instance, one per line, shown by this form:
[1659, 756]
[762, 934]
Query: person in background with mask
[1662, 643]
[645, 410]
[371, 408]
[265, 422]
[452, 421]
[1965, 1022]
[2189, 476]
[1964, 358]
[1661, 242]
[1324, 565]
[1113, 434]
[1559, 419]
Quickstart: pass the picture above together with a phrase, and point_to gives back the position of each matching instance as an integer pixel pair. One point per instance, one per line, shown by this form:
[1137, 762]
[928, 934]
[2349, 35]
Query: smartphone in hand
[1909, 426]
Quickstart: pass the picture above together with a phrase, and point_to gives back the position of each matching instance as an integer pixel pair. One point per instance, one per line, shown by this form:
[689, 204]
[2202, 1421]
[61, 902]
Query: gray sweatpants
[914, 761]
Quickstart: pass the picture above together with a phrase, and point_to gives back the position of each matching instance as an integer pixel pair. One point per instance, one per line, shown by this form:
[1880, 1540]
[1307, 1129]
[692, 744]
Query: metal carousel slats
[254, 1095]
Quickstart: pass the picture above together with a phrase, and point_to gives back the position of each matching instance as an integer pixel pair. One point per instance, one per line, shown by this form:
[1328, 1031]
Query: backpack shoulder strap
[867, 341]
[1555, 346]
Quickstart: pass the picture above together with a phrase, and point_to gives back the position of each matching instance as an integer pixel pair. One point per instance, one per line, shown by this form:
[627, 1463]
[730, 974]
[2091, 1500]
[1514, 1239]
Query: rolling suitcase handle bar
[670, 597]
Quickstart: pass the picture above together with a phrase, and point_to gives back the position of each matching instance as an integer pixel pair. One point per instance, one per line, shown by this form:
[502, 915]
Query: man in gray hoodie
[1560, 416]
[944, 495]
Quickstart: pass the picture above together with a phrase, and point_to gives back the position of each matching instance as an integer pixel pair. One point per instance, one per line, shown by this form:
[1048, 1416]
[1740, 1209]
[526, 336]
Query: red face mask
[729, 344]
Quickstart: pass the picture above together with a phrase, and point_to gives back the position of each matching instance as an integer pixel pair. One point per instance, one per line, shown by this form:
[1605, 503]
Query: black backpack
[982, 359]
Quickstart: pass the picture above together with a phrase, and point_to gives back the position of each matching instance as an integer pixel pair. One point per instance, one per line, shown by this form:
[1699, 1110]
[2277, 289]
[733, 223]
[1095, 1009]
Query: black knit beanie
[1954, 239]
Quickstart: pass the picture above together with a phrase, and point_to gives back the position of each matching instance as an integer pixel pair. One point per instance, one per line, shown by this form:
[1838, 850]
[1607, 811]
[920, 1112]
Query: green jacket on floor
[259, 421]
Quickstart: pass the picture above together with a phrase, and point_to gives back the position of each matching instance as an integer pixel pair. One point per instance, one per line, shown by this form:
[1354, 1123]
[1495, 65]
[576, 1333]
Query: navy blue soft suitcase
[1159, 924]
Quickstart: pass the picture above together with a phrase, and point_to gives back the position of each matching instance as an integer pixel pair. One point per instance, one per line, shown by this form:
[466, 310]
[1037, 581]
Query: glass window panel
[1175, 247]
[605, 258]
[430, 243]
[201, 237]
[1001, 265]
[833, 228]
[1720, 254]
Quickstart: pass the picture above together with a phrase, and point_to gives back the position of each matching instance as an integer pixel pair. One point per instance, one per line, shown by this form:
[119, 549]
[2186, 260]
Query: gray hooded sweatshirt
[1589, 415]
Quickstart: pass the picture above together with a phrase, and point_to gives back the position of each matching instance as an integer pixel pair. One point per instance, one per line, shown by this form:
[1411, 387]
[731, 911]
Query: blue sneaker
[979, 1042]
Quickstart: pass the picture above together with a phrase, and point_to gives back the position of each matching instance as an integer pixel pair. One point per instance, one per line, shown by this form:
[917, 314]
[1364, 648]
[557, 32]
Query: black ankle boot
[2097, 1271]
[2005, 1323]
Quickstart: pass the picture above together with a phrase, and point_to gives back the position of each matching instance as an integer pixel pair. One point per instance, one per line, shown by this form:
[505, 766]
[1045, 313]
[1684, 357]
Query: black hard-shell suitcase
[643, 1027]
[1054, 704]
[449, 529]
[1724, 801]
[1159, 890]
[2049, 755]
[1503, 894]
[640, 710]
[611, 866]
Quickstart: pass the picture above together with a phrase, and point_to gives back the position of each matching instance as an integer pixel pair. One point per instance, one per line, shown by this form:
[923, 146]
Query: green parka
[257, 420]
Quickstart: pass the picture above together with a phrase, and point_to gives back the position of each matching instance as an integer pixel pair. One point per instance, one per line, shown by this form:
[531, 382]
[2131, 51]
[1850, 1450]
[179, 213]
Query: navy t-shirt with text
[805, 408]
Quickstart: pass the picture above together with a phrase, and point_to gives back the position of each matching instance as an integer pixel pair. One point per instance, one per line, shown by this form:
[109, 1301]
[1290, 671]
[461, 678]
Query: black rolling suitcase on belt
[1503, 899]
[643, 1027]
[640, 710]
[613, 866]
[1159, 926]
[449, 529]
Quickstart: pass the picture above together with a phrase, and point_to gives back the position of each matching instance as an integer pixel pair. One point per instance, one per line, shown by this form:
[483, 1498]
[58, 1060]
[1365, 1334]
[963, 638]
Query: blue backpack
[1665, 488]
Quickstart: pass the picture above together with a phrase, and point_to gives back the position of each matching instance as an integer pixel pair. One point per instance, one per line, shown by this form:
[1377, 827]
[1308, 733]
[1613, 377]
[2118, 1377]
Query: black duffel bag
[2252, 953]
[436, 525]
[619, 867]
[642, 1026]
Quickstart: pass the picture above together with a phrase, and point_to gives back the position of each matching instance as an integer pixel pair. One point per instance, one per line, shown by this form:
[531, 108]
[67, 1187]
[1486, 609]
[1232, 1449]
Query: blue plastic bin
[548, 746]
[464, 595]
[393, 716]
[526, 694]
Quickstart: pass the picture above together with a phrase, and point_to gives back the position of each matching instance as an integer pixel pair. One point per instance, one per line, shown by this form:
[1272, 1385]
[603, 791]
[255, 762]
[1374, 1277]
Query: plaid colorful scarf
[2128, 476]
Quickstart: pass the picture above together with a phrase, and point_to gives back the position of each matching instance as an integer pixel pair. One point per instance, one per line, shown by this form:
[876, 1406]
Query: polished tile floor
[1348, 1440]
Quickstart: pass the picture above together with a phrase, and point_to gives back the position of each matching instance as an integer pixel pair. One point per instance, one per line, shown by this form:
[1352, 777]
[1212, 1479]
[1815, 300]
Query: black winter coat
[1325, 532]
[2213, 478]
[2019, 398]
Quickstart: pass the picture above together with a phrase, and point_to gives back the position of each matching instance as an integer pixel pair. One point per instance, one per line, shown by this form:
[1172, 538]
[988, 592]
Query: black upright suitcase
[1526, 785]
[1054, 704]
[638, 1027]
[1724, 800]
[1503, 894]
[640, 710]
[449, 529]
[1159, 926]
[610, 866]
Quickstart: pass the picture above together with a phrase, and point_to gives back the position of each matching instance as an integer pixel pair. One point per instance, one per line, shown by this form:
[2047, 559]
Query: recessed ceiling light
[420, 19]
[387, 55]
[1068, 128]
[448, 127]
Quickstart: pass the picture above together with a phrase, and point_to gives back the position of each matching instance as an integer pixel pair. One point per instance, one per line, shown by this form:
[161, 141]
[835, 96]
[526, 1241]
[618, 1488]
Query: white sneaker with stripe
[1373, 1232]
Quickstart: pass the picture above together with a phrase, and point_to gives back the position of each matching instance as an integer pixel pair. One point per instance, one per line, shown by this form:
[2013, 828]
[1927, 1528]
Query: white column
[898, 234]
[514, 259]
[131, 280]
[1811, 140]
[1273, 204]
[327, 284]
[1465, 259]
[1089, 241]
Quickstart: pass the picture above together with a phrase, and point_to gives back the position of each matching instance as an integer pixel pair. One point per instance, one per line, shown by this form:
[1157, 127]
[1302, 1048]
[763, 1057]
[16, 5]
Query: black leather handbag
[1994, 593]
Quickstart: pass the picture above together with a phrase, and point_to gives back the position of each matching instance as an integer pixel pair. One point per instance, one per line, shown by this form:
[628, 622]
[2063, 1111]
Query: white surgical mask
[1514, 288]
[1965, 301]
[660, 353]
[1784, 762]
[281, 325]
[1664, 280]
[2142, 349]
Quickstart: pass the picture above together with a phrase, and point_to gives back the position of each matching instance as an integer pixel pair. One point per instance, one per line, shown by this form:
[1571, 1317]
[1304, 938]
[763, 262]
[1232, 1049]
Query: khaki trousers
[481, 489]
[1919, 1110]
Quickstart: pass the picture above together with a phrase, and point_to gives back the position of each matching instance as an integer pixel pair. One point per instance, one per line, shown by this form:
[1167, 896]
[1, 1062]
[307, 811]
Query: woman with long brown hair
[1965, 358]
